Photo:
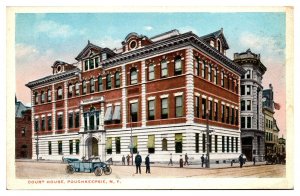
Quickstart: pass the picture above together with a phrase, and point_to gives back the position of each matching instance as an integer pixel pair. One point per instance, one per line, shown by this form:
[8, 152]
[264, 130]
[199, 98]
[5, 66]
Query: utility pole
[207, 141]
[131, 142]
[37, 145]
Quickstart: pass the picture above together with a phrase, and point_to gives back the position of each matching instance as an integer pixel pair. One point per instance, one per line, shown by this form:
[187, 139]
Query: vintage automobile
[88, 166]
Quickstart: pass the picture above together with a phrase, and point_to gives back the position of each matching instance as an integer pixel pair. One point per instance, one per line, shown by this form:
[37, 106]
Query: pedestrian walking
[170, 162]
[138, 162]
[254, 160]
[202, 160]
[147, 162]
[186, 159]
[123, 160]
[128, 159]
[241, 160]
[180, 161]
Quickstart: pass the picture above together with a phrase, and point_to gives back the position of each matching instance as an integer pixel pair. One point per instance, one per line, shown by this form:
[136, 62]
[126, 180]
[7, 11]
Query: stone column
[101, 117]
[143, 93]
[81, 119]
[189, 98]
[101, 146]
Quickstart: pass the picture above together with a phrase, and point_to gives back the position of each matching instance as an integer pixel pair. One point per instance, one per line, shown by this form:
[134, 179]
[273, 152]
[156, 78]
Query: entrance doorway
[247, 147]
[92, 144]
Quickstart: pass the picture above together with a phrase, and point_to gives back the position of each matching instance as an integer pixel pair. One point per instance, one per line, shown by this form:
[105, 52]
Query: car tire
[98, 171]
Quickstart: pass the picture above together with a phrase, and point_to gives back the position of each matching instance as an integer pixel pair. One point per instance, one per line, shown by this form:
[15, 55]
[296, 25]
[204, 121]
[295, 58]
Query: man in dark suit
[147, 162]
[138, 162]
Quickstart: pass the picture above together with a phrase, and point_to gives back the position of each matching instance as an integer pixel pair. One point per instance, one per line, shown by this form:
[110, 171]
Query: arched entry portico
[92, 146]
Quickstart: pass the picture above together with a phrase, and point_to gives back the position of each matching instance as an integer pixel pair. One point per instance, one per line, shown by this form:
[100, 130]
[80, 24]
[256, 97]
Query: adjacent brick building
[23, 132]
[155, 92]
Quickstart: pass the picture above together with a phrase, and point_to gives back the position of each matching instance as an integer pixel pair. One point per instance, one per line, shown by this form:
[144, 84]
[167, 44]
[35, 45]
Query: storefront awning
[108, 114]
[117, 113]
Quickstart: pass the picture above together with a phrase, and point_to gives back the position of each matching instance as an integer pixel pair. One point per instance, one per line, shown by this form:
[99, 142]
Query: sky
[41, 39]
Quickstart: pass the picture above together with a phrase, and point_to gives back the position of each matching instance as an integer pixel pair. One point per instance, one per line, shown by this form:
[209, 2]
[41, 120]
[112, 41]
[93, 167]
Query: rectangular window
[232, 116]
[60, 122]
[135, 144]
[91, 63]
[109, 145]
[203, 70]
[203, 142]
[236, 144]
[197, 142]
[210, 109]
[179, 107]
[49, 95]
[36, 124]
[77, 146]
[222, 79]
[248, 90]
[216, 111]
[100, 84]
[134, 112]
[248, 74]
[236, 117]
[117, 80]
[197, 109]
[223, 113]
[178, 142]
[243, 106]
[85, 121]
[71, 146]
[243, 123]
[86, 65]
[249, 105]
[228, 83]
[43, 124]
[77, 119]
[243, 89]
[164, 69]
[249, 122]
[196, 66]
[97, 61]
[178, 66]
[223, 143]
[203, 108]
[216, 143]
[151, 111]
[232, 138]
[77, 89]
[164, 108]
[209, 73]
[49, 123]
[108, 81]
[49, 148]
[151, 144]
[60, 152]
[227, 144]
[118, 145]
[70, 120]
[227, 114]
[151, 75]
[215, 76]
[104, 56]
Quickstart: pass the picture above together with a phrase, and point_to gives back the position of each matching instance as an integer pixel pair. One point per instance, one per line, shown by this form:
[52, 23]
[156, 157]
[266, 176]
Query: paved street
[43, 169]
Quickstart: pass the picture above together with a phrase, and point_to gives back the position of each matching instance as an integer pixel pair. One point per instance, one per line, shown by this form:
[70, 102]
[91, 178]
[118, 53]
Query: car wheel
[107, 170]
[69, 169]
[98, 171]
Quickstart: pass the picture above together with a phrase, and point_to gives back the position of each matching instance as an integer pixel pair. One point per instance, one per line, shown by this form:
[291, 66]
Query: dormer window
[91, 63]
[97, 61]
[104, 56]
[86, 65]
[212, 43]
[219, 46]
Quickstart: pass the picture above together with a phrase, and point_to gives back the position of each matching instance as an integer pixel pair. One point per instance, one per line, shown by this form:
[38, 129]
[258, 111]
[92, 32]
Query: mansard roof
[217, 34]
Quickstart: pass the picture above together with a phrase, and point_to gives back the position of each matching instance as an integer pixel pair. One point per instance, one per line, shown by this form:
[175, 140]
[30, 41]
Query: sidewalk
[165, 165]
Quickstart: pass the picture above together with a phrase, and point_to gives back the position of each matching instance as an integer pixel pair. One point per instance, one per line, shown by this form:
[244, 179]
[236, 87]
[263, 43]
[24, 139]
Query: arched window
[59, 93]
[83, 87]
[36, 97]
[117, 79]
[164, 69]
[70, 90]
[100, 84]
[164, 144]
[49, 95]
[178, 66]
[133, 76]
[77, 88]
[108, 81]
[43, 96]
[92, 85]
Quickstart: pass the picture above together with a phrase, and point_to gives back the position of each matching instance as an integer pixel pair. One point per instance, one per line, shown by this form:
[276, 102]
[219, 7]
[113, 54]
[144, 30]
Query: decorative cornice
[57, 77]
[169, 44]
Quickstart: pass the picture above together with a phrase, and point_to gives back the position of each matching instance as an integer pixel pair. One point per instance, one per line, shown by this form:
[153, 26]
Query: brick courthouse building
[154, 90]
